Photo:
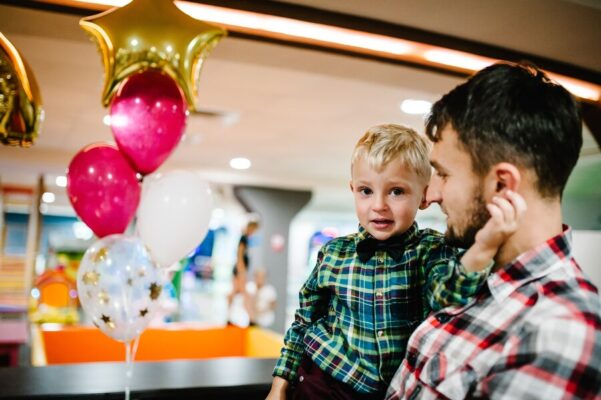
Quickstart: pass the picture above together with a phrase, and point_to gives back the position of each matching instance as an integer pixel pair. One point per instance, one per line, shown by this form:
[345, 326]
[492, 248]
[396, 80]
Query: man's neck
[541, 222]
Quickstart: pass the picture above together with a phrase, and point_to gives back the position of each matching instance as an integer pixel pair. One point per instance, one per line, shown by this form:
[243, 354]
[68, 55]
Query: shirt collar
[406, 237]
[531, 265]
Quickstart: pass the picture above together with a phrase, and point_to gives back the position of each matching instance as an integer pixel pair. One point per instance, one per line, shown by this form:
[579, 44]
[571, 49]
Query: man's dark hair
[514, 113]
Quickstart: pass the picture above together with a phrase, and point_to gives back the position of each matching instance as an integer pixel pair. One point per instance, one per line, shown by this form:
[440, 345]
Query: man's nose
[433, 192]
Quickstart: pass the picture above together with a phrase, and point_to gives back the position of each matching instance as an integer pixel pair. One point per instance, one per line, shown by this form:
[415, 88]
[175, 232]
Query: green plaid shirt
[355, 318]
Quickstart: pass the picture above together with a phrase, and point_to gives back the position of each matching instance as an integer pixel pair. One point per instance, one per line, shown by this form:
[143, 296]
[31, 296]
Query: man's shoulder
[564, 295]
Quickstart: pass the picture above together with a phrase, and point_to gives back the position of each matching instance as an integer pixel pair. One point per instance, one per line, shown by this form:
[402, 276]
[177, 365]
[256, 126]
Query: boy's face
[386, 201]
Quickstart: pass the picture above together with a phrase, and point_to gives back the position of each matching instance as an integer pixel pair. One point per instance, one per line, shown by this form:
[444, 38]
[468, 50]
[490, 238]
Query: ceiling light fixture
[61, 181]
[341, 38]
[417, 107]
[458, 59]
[240, 163]
[48, 197]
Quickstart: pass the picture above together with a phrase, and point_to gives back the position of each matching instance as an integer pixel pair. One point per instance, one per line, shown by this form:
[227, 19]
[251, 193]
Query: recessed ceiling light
[61, 181]
[420, 107]
[106, 120]
[240, 163]
[48, 197]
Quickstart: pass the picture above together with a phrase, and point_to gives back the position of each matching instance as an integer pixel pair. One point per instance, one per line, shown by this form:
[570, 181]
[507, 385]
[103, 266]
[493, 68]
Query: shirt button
[301, 378]
[380, 333]
[379, 294]
[381, 260]
[443, 318]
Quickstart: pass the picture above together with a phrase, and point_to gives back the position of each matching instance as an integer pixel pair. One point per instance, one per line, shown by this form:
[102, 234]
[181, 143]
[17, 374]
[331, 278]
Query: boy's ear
[502, 177]
[424, 204]
[350, 183]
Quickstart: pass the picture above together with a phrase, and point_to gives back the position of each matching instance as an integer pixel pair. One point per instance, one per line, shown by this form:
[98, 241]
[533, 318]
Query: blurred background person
[263, 299]
[241, 270]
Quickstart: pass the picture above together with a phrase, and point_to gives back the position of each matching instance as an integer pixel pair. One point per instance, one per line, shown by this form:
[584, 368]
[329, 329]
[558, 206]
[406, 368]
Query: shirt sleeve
[313, 305]
[558, 359]
[447, 280]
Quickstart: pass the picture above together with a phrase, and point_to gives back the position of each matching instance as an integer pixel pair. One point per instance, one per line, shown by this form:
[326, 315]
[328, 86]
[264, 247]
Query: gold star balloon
[21, 111]
[151, 34]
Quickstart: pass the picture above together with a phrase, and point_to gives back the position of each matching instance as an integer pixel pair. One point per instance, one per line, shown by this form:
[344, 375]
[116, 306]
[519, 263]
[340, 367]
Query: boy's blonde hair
[383, 143]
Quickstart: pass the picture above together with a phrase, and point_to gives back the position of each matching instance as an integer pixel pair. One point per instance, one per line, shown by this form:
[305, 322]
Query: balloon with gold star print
[151, 34]
[119, 286]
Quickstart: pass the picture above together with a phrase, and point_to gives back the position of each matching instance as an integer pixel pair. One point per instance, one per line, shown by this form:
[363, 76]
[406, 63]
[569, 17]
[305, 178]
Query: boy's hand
[278, 389]
[505, 217]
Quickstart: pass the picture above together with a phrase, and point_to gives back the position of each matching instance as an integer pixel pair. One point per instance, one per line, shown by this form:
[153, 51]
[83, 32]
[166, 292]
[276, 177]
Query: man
[534, 330]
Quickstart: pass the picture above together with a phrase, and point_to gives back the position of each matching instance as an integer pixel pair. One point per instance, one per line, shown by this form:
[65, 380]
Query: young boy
[370, 290]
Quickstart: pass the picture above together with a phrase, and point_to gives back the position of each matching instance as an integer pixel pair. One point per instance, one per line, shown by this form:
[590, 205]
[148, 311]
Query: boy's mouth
[381, 222]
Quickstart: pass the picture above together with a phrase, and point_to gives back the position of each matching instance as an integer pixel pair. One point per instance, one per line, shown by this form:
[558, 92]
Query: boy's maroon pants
[312, 383]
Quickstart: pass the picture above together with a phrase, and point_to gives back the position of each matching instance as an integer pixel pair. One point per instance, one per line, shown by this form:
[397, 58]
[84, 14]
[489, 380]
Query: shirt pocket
[448, 377]
[406, 304]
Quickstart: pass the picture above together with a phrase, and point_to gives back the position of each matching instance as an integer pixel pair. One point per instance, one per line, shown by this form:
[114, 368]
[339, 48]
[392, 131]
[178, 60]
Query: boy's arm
[451, 281]
[313, 305]
[279, 386]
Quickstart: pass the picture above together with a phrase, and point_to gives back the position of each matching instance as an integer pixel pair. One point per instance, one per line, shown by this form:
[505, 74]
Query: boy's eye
[397, 191]
[441, 175]
[365, 191]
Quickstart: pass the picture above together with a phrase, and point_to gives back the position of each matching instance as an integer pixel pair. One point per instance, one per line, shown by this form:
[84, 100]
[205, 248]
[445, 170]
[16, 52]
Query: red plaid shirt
[534, 332]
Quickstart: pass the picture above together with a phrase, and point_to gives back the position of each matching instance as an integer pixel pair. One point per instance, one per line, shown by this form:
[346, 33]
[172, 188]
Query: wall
[587, 251]
[276, 208]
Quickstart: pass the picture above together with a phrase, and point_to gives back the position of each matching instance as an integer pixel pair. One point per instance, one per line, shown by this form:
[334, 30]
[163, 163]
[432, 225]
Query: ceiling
[295, 113]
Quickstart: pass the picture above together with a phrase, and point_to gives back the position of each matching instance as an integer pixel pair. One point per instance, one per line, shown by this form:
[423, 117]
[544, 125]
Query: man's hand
[505, 217]
[278, 389]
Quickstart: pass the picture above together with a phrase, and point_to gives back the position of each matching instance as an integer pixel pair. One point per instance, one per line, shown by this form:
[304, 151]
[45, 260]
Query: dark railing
[222, 378]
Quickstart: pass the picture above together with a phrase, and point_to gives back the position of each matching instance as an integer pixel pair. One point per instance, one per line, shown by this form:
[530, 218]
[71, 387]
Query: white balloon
[173, 215]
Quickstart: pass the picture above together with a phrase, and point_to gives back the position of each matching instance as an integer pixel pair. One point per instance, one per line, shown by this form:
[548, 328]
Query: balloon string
[130, 357]
[128, 369]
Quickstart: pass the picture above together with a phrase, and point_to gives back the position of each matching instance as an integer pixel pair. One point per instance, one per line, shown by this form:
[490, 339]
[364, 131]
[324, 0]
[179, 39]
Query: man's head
[507, 125]
[389, 173]
[260, 277]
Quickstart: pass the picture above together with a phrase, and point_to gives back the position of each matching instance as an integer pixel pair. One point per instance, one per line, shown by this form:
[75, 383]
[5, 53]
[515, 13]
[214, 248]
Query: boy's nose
[380, 203]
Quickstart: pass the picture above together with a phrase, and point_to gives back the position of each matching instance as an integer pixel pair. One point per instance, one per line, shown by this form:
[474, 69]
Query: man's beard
[475, 218]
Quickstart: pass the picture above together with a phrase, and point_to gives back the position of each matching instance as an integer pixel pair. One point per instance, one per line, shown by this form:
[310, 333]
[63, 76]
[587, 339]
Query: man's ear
[424, 203]
[502, 177]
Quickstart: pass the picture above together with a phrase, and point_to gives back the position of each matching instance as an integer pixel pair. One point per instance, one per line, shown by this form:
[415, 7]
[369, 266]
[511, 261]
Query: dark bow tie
[394, 246]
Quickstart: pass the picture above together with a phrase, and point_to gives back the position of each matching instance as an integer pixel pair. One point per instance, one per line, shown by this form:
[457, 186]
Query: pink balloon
[148, 118]
[103, 188]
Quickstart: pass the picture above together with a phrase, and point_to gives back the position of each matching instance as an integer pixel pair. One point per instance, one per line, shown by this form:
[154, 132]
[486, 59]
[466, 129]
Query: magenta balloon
[148, 118]
[103, 188]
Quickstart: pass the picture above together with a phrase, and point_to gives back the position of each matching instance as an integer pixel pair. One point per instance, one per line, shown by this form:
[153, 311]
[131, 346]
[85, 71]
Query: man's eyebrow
[436, 165]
